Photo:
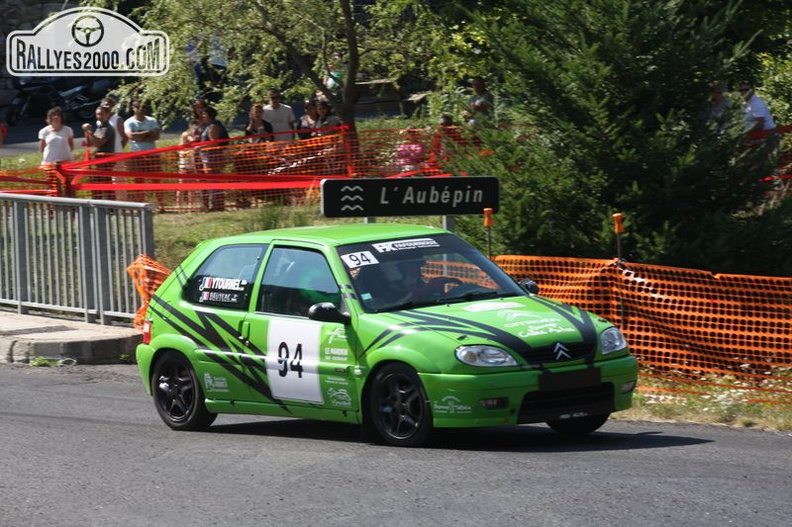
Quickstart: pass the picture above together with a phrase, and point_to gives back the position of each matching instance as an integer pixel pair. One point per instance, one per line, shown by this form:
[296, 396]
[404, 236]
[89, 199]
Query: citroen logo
[561, 352]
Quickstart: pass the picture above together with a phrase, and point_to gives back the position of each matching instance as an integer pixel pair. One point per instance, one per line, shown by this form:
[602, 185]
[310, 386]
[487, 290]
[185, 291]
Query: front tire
[578, 426]
[398, 406]
[177, 394]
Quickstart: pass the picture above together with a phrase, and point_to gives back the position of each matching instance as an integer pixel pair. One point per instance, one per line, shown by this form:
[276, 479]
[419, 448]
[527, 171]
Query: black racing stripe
[207, 328]
[255, 381]
[584, 324]
[396, 332]
[181, 276]
[498, 335]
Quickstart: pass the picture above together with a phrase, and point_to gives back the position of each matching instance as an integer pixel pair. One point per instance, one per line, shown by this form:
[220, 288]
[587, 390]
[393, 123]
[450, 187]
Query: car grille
[553, 353]
[543, 406]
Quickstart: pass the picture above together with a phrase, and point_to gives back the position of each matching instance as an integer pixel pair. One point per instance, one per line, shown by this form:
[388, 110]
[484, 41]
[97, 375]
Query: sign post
[361, 198]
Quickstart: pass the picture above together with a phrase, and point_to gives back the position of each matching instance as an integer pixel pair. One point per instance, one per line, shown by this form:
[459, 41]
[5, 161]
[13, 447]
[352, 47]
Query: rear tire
[398, 407]
[177, 394]
[578, 426]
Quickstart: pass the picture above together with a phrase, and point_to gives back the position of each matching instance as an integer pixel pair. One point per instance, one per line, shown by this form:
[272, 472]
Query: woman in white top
[56, 140]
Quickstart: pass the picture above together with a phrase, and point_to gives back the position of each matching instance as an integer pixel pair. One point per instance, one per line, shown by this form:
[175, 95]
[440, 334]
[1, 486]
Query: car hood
[533, 327]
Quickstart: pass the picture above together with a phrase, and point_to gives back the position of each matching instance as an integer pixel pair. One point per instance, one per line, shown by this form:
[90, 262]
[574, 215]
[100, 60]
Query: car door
[220, 294]
[308, 363]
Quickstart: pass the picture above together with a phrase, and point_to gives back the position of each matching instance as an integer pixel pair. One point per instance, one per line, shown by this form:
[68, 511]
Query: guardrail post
[88, 270]
[22, 283]
[101, 261]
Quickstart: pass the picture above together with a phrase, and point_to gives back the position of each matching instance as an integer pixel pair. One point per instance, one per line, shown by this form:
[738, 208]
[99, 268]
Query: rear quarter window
[226, 277]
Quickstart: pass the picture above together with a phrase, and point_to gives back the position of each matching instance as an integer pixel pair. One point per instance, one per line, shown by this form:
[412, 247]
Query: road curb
[23, 338]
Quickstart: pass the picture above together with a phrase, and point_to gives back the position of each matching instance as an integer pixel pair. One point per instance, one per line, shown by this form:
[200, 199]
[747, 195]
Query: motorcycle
[77, 96]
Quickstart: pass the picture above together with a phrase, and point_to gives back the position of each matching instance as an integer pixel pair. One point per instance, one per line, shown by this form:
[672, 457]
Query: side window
[226, 277]
[294, 280]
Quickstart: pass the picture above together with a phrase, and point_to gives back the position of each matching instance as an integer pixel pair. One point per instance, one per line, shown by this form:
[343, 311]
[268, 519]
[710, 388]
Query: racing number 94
[285, 365]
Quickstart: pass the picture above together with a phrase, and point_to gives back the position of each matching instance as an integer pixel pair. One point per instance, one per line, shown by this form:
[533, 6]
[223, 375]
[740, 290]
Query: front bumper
[531, 396]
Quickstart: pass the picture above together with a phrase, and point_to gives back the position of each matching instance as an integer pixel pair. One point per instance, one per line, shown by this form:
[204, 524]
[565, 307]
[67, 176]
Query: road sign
[360, 198]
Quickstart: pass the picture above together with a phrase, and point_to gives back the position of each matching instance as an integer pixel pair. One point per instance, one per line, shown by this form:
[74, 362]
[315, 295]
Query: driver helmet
[403, 274]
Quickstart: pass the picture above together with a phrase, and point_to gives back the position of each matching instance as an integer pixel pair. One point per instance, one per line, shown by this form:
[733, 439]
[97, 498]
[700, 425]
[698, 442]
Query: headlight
[612, 340]
[484, 356]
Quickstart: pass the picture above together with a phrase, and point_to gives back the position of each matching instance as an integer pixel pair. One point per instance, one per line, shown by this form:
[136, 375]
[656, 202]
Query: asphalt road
[83, 446]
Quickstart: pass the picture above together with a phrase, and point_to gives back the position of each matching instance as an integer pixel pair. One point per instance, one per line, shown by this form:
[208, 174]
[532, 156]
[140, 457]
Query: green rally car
[400, 328]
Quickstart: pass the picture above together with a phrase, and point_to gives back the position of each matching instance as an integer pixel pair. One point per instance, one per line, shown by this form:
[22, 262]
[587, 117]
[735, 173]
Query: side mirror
[328, 312]
[531, 287]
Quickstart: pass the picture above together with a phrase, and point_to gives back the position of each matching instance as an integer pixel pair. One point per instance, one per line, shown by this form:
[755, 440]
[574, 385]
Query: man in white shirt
[757, 114]
[141, 129]
[281, 117]
[143, 132]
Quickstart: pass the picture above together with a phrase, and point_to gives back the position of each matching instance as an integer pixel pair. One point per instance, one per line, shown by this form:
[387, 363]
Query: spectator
[103, 137]
[187, 164]
[257, 125]
[3, 132]
[308, 120]
[325, 119]
[411, 155]
[720, 103]
[143, 132]
[335, 75]
[56, 140]
[757, 114]
[280, 116]
[187, 155]
[213, 157]
[481, 102]
[212, 128]
[197, 106]
[447, 135]
[115, 121]
[141, 129]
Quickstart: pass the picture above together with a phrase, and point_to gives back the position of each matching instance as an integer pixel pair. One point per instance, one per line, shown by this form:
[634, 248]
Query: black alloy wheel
[398, 406]
[177, 394]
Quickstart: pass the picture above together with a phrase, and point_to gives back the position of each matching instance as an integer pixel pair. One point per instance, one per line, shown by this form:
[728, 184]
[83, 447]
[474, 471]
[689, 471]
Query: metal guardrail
[70, 255]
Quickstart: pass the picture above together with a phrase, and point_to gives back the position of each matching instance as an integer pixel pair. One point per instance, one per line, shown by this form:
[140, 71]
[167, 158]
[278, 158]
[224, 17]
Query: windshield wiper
[477, 295]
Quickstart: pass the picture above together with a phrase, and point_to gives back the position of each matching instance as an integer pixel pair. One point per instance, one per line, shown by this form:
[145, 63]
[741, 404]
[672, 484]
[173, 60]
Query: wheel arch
[365, 391]
[148, 355]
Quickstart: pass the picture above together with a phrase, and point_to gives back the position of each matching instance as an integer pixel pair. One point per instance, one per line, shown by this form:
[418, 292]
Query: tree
[293, 45]
[617, 96]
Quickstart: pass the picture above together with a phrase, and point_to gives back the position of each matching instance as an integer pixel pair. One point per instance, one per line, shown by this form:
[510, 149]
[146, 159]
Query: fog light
[497, 403]
[627, 387]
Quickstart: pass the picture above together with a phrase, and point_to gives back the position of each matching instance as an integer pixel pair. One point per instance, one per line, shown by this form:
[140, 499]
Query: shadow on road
[524, 438]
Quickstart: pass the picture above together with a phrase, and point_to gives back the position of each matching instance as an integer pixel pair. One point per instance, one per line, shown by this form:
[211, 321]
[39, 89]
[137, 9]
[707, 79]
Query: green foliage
[777, 86]
[291, 45]
[41, 362]
[618, 111]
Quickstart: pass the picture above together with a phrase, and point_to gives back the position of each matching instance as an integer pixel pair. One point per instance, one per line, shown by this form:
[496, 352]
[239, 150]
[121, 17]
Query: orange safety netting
[690, 329]
[240, 173]
[147, 275]
[42, 181]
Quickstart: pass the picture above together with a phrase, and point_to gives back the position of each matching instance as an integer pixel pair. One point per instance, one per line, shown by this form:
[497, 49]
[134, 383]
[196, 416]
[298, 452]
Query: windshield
[413, 272]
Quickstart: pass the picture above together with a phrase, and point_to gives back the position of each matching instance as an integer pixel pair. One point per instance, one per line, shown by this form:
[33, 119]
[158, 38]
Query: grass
[723, 400]
[176, 235]
[709, 409]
